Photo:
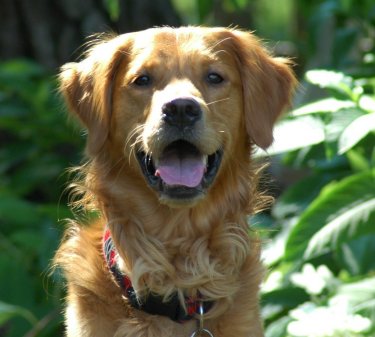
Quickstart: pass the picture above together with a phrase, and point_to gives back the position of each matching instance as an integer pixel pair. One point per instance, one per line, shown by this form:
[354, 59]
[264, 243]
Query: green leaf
[358, 160]
[357, 256]
[306, 131]
[8, 311]
[356, 220]
[339, 120]
[333, 80]
[11, 110]
[367, 103]
[239, 4]
[16, 212]
[17, 69]
[204, 8]
[356, 131]
[324, 105]
[361, 295]
[16, 285]
[310, 130]
[113, 9]
[343, 43]
[280, 300]
[336, 201]
[299, 195]
[278, 328]
[29, 240]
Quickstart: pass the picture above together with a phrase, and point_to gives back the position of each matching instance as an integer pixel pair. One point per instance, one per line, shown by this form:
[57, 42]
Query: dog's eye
[142, 80]
[214, 78]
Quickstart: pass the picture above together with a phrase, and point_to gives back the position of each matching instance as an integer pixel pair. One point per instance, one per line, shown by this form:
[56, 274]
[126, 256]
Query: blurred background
[319, 237]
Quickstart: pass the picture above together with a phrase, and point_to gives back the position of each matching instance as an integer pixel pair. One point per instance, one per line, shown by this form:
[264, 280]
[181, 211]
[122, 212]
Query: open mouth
[182, 171]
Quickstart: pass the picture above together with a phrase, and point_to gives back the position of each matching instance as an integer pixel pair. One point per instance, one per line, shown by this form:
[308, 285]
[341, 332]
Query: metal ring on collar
[202, 332]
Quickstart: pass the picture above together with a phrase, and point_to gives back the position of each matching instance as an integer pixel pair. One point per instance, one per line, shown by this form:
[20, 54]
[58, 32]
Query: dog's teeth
[205, 161]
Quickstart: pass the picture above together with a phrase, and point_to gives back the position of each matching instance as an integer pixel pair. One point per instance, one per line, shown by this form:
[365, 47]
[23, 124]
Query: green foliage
[326, 263]
[113, 9]
[36, 149]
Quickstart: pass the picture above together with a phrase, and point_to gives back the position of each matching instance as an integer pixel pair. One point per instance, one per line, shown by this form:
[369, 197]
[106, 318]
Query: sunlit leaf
[278, 328]
[293, 134]
[361, 295]
[323, 105]
[367, 103]
[339, 121]
[328, 79]
[334, 318]
[355, 220]
[336, 201]
[356, 131]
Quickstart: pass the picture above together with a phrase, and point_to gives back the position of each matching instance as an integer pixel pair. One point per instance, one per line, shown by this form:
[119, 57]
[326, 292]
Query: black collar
[153, 304]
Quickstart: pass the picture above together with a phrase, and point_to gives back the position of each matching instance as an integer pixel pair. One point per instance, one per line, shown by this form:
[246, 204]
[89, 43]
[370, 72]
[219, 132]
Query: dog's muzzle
[182, 171]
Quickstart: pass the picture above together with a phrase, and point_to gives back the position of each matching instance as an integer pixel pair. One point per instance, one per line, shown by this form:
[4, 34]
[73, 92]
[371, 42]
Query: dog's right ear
[87, 87]
[267, 84]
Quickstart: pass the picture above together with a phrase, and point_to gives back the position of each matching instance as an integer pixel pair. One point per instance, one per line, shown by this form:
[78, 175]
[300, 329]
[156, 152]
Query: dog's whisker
[137, 142]
[137, 131]
[218, 101]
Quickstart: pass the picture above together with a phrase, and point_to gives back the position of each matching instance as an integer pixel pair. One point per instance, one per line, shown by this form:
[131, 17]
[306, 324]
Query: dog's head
[183, 103]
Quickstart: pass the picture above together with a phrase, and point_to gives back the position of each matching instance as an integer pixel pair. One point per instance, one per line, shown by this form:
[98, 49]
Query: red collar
[153, 304]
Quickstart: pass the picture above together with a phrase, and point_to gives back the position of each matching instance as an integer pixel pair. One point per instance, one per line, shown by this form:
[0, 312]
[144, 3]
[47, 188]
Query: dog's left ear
[268, 84]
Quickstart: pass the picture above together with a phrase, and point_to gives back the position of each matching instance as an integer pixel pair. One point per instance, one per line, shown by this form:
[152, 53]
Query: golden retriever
[172, 117]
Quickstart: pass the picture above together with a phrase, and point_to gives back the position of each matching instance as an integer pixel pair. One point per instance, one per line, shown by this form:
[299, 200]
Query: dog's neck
[203, 258]
[151, 303]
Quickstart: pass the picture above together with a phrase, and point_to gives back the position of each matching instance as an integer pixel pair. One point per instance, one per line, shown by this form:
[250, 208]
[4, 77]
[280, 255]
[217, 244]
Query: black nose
[182, 112]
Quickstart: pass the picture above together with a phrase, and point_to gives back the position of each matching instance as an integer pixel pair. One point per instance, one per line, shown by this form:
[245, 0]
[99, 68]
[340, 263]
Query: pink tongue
[184, 171]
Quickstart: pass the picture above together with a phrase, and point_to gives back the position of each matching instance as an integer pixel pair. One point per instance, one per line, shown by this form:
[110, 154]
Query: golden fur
[200, 244]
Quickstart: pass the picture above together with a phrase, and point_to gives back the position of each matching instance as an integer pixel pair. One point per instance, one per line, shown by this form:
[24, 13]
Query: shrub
[36, 148]
[322, 279]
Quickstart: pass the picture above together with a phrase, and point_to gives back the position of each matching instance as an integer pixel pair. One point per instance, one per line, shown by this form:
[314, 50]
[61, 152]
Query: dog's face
[182, 103]
[185, 95]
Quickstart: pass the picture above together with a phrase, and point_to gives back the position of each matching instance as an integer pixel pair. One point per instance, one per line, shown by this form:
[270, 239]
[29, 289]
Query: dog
[172, 118]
